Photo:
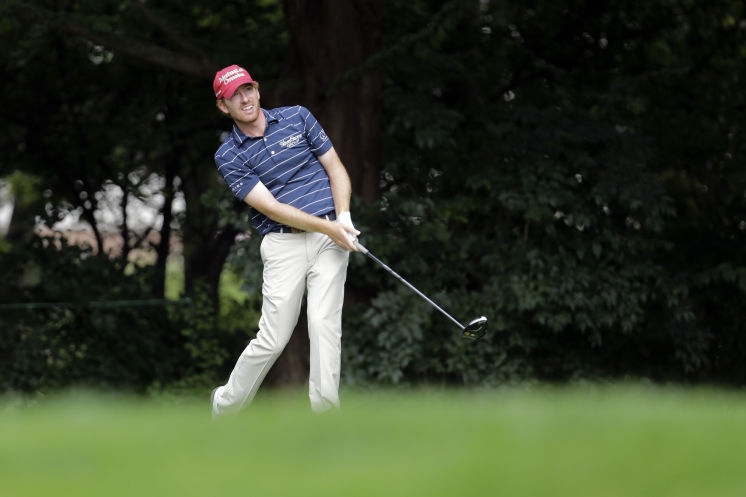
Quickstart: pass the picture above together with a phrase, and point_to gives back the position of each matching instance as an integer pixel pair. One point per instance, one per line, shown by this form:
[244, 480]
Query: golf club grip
[361, 247]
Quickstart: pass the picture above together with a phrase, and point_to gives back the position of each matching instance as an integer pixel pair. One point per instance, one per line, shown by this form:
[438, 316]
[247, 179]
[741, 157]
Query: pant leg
[326, 279]
[283, 286]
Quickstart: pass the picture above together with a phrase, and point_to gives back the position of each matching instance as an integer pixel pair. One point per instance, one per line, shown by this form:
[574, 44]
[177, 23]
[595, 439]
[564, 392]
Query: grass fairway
[589, 441]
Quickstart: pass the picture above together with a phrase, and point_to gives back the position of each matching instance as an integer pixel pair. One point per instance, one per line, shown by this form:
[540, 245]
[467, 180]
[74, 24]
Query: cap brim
[231, 89]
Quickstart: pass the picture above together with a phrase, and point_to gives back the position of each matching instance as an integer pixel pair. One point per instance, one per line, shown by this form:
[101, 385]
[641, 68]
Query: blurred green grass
[533, 441]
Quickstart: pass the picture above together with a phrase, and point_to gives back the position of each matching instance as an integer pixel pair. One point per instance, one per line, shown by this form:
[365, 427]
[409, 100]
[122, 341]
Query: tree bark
[164, 244]
[330, 39]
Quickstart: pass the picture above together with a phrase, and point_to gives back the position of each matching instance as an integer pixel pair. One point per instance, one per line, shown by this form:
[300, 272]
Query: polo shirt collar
[240, 138]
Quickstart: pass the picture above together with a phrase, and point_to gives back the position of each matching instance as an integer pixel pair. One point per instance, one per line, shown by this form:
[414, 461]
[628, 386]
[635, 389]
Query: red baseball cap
[227, 80]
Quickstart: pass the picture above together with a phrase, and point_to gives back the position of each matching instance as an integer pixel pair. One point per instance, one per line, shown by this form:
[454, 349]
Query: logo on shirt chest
[291, 141]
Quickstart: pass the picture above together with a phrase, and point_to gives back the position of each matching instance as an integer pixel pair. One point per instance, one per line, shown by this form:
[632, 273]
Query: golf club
[474, 330]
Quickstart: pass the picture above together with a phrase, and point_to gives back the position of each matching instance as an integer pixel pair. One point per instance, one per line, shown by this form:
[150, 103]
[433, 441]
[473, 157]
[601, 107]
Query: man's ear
[220, 104]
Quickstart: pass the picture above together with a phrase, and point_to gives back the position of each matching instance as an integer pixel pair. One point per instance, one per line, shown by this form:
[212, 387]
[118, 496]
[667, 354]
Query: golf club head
[476, 328]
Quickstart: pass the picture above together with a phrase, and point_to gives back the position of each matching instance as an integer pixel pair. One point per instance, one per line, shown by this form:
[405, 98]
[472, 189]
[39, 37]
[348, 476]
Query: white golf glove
[346, 219]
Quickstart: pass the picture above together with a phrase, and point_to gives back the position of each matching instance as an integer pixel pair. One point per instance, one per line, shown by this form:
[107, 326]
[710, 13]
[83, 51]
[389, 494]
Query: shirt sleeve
[315, 135]
[239, 177]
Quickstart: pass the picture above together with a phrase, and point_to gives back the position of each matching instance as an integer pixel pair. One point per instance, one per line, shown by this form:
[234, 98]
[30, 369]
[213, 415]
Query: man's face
[243, 106]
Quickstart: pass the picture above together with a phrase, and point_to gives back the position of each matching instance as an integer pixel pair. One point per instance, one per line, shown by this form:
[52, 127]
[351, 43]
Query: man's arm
[261, 199]
[339, 180]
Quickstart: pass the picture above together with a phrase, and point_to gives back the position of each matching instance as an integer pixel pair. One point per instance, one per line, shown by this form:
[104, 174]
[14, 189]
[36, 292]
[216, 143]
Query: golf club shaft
[365, 251]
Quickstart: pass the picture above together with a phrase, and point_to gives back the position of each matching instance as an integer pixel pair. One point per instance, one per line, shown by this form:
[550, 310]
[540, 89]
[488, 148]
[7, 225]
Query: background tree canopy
[571, 169]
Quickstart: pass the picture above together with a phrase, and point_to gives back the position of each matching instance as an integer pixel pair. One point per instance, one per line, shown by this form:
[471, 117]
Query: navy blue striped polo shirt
[284, 159]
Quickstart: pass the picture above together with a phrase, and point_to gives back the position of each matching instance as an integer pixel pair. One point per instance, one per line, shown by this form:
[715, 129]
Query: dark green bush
[98, 335]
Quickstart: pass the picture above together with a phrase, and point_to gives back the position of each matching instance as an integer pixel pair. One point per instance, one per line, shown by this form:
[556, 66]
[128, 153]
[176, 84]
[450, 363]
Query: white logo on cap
[231, 76]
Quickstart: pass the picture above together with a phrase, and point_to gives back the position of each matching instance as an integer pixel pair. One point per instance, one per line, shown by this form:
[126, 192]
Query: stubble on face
[243, 106]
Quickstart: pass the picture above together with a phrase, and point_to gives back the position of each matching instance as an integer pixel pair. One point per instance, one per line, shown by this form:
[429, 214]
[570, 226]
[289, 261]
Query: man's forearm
[294, 217]
[262, 200]
[338, 179]
[341, 191]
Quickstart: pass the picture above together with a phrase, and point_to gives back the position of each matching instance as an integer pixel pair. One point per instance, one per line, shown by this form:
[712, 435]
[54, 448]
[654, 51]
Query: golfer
[281, 163]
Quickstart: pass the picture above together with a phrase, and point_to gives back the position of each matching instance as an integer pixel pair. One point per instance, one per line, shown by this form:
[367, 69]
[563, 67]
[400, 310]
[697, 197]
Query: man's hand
[346, 219]
[343, 232]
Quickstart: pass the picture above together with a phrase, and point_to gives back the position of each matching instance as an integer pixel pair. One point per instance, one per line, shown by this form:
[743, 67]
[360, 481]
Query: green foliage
[572, 170]
[133, 347]
[539, 191]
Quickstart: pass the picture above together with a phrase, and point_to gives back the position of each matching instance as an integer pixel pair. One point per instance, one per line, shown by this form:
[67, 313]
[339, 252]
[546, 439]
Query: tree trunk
[164, 244]
[330, 39]
[204, 260]
[205, 244]
[292, 366]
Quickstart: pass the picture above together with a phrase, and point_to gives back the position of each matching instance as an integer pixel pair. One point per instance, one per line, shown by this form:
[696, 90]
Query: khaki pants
[294, 262]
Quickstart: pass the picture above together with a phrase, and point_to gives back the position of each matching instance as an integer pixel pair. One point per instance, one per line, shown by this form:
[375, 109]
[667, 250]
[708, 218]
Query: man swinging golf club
[281, 163]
